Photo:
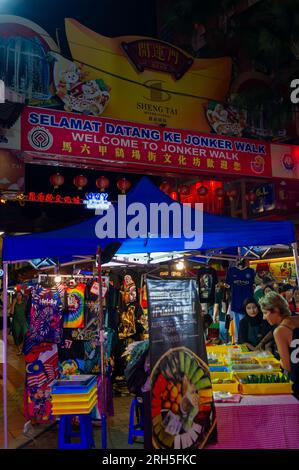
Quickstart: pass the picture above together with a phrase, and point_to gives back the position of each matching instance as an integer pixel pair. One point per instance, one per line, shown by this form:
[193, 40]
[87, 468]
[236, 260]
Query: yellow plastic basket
[74, 398]
[73, 409]
[230, 387]
[264, 388]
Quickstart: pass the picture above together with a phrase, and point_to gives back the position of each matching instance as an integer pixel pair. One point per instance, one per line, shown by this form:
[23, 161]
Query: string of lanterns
[202, 191]
[80, 181]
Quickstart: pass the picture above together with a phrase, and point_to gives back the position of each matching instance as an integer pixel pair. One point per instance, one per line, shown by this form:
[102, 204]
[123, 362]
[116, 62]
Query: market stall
[82, 240]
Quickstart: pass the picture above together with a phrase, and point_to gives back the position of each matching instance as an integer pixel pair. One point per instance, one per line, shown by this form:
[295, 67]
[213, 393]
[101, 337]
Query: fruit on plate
[182, 400]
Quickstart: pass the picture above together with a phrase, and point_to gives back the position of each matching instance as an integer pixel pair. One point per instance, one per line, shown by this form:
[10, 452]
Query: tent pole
[102, 351]
[296, 260]
[5, 420]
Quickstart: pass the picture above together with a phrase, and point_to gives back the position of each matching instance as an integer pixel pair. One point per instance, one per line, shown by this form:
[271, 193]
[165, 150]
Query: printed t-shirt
[207, 280]
[45, 318]
[241, 283]
[74, 316]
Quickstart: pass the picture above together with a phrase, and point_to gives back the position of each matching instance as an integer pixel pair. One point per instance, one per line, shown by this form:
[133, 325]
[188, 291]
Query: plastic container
[73, 408]
[251, 368]
[74, 411]
[264, 388]
[230, 387]
[74, 398]
[74, 384]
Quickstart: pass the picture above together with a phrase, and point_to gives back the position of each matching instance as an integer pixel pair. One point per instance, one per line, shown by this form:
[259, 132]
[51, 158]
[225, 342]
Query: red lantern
[165, 186]
[102, 183]
[251, 197]
[80, 181]
[123, 185]
[219, 193]
[56, 180]
[232, 194]
[184, 189]
[202, 191]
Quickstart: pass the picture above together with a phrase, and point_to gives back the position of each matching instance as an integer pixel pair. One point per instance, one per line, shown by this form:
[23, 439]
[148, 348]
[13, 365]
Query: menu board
[182, 406]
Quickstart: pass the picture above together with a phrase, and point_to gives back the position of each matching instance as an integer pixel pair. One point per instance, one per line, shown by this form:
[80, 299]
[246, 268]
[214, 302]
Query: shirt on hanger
[207, 280]
[45, 318]
[241, 282]
[74, 316]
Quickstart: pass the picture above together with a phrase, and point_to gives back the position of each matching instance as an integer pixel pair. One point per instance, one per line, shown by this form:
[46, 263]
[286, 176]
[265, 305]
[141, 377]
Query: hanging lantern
[251, 197]
[56, 180]
[219, 193]
[123, 185]
[202, 191]
[232, 194]
[184, 189]
[80, 181]
[165, 186]
[174, 196]
[102, 183]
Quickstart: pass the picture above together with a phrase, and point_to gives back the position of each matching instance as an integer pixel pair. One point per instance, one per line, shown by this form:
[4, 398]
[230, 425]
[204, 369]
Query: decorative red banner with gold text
[141, 146]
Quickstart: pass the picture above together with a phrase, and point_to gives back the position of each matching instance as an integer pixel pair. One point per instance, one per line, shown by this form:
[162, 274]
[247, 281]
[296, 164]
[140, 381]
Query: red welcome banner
[140, 146]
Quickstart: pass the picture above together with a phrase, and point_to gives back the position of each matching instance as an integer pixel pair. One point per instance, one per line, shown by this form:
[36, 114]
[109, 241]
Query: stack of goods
[74, 395]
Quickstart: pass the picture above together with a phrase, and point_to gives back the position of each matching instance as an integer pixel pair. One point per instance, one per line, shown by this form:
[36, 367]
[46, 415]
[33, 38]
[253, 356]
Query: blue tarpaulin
[81, 239]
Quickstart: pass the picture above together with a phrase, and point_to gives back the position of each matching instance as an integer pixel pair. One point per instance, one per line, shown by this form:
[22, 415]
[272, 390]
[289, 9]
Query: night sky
[107, 17]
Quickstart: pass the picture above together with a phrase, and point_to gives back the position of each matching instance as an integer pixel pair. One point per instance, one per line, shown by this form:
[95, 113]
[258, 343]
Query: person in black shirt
[252, 327]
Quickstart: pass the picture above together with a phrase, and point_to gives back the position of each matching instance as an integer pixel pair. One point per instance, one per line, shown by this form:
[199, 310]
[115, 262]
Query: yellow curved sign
[150, 81]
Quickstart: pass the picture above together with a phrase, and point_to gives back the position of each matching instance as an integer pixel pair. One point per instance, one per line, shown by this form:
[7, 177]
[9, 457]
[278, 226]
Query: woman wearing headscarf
[252, 327]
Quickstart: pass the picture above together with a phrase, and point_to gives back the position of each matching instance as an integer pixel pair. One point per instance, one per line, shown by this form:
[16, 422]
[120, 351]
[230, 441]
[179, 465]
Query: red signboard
[141, 146]
[156, 55]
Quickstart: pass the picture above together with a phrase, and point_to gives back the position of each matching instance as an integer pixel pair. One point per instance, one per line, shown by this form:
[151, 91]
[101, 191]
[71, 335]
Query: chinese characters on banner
[141, 146]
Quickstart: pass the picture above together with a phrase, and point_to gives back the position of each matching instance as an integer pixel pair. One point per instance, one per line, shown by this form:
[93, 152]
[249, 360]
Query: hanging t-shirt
[45, 318]
[241, 282]
[41, 371]
[207, 280]
[74, 316]
[70, 348]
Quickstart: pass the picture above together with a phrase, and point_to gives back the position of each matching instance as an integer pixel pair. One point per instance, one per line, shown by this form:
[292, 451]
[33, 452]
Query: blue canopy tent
[81, 239]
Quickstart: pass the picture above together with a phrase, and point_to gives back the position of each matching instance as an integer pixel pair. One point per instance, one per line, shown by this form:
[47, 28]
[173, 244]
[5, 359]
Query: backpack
[135, 374]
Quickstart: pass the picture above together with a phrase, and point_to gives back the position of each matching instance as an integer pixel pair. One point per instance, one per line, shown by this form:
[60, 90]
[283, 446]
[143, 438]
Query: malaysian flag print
[35, 374]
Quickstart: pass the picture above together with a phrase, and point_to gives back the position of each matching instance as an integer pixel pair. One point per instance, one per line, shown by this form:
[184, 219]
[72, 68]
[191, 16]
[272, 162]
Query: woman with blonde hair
[276, 311]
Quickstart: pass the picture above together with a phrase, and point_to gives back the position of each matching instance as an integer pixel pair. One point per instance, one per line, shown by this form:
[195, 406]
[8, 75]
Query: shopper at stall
[287, 292]
[286, 334]
[268, 289]
[220, 309]
[252, 327]
[240, 279]
[259, 291]
[19, 323]
[295, 310]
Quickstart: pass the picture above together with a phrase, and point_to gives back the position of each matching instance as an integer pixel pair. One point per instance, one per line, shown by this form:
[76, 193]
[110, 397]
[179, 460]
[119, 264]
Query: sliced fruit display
[182, 399]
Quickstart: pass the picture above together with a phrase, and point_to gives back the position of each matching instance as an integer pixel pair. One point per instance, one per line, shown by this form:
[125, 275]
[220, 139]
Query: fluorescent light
[180, 266]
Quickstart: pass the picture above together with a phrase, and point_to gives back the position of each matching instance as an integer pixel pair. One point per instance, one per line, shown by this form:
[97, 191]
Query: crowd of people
[270, 322]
